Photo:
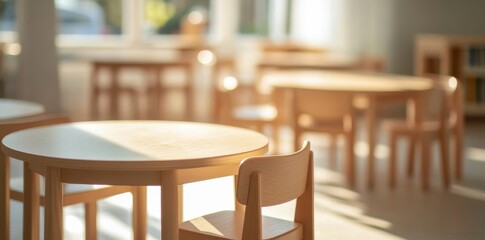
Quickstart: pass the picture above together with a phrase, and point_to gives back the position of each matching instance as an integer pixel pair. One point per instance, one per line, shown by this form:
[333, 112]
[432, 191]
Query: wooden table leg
[172, 207]
[53, 224]
[140, 212]
[114, 94]
[95, 91]
[158, 92]
[425, 160]
[31, 214]
[4, 196]
[189, 93]
[370, 120]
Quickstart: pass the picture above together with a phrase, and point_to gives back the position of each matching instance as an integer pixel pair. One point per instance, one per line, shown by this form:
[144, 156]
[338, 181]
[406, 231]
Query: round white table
[138, 153]
[11, 110]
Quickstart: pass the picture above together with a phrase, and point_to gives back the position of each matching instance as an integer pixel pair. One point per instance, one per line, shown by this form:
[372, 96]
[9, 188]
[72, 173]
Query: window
[253, 17]
[167, 16]
[89, 17]
[80, 17]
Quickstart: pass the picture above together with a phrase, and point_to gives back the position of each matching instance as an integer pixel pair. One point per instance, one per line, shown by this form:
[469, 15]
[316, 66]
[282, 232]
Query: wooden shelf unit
[459, 56]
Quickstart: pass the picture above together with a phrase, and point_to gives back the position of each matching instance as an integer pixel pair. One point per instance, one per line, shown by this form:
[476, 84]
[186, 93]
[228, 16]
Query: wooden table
[139, 153]
[150, 64]
[11, 110]
[374, 87]
[290, 60]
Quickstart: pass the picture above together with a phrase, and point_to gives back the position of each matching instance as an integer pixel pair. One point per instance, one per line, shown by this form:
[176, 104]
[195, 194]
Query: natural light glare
[13, 49]
[113, 226]
[229, 83]
[476, 154]
[362, 150]
[341, 192]
[452, 82]
[72, 223]
[196, 17]
[206, 57]
[352, 211]
[205, 226]
[468, 192]
[205, 197]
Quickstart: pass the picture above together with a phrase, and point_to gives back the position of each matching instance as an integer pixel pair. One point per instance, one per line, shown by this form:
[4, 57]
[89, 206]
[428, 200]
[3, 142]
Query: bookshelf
[459, 56]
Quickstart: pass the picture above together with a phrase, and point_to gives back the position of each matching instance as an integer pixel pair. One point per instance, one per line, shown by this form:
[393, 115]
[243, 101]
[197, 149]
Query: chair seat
[229, 225]
[263, 112]
[401, 126]
[313, 125]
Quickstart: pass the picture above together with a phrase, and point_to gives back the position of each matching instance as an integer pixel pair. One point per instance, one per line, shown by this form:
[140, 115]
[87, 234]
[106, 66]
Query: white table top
[11, 109]
[346, 81]
[134, 145]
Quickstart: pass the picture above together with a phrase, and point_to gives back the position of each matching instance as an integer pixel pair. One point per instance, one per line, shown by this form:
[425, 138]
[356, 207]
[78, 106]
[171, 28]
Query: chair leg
[276, 136]
[135, 103]
[332, 151]
[458, 152]
[445, 159]
[392, 159]
[350, 159]
[411, 154]
[297, 139]
[90, 209]
[425, 162]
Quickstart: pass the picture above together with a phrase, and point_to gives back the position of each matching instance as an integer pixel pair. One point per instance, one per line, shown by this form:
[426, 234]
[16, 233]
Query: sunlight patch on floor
[468, 192]
[476, 154]
[361, 149]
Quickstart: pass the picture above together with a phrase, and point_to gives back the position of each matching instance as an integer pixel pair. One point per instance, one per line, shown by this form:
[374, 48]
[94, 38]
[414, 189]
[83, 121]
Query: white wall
[410, 17]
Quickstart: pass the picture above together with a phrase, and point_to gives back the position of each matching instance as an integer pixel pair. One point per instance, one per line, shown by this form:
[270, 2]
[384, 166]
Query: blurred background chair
[329, 112]
[73, 193]
[443, 121]
[264, 181]
[115, 88]
[240, 104]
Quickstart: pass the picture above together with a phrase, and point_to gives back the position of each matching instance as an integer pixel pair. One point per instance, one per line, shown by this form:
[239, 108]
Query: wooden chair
[329, 112]
[74, 193]
[114, 88]
[444, 120]
[242, 105]
[264, 181]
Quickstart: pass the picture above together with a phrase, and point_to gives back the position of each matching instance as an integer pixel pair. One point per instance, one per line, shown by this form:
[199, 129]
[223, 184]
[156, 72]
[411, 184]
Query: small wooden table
[11, 110]
[138, 153]
[150, 64]
[374, 87]
[321, 61]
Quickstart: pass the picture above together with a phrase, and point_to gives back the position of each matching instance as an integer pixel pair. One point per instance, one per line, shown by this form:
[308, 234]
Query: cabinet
[459, 56]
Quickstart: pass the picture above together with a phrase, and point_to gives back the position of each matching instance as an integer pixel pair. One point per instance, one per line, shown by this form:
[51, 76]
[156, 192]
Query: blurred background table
[11, 110]
[371, 87]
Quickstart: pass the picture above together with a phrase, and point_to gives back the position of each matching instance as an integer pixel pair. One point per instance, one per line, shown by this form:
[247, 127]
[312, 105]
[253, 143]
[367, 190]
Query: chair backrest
[282, 177]
[322, 105]
[445, 99]
[271, 180]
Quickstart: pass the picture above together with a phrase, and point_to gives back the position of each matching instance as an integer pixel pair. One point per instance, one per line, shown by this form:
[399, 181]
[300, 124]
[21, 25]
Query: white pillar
[38, 79]
[223, 21]
[277, 20]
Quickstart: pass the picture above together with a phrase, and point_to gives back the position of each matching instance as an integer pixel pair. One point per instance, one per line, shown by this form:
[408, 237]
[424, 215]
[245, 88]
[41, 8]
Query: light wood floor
[340, 212]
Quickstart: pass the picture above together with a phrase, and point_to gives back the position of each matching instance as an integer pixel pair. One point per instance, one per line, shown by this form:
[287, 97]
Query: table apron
[139, 178]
